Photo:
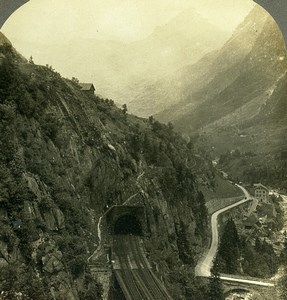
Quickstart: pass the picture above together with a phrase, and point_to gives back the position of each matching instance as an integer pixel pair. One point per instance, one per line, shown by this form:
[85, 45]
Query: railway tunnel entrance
[234, 290]
[259, 292]
[127, 220]
[128, 224]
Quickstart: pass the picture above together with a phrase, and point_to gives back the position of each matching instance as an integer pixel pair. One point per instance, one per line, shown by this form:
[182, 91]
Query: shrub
[50, 126]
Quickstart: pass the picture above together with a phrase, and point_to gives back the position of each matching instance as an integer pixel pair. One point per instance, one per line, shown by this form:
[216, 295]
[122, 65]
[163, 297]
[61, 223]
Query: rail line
[133, 272]
[154, 284]
[125, 277]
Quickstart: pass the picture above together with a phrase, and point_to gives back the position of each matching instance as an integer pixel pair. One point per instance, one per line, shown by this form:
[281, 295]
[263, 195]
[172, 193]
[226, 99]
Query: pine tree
[31, 60]
[125, 108]
[258, 245]
[215, 287]
[229, 249]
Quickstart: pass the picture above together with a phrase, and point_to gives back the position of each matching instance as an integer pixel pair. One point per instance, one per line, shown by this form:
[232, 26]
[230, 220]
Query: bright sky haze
[60, 21]
[117, 44]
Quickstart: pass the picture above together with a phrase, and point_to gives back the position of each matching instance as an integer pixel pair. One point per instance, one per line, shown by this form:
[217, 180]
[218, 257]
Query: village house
[87, 88]
[261, 193]
[251, 221]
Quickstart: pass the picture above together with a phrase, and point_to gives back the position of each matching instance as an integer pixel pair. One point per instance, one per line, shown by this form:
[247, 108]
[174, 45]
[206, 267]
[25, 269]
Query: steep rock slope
[255, 53]
[239, 103]
[251, 77]
[66, 156]
[180, 89]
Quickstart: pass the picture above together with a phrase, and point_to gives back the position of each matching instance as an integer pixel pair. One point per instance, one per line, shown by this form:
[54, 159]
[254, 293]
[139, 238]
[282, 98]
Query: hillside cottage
[87, 88]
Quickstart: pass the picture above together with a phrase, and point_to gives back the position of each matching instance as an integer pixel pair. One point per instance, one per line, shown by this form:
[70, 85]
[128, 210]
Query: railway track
[133, 271]
[156, 287]
[125, 277]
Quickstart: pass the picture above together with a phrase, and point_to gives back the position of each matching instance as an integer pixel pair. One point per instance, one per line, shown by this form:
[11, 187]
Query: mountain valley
[94, 189]
[234, 98]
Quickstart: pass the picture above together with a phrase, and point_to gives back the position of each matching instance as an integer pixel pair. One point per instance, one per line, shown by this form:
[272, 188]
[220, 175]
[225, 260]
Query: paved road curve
[254, 281]
[204, 266]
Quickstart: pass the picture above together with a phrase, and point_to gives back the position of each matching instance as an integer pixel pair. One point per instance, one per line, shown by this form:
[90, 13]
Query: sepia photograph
[143, 150]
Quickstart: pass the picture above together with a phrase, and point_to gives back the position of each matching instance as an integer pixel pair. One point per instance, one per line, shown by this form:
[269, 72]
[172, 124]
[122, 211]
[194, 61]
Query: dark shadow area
[116, 292]
[128, 224]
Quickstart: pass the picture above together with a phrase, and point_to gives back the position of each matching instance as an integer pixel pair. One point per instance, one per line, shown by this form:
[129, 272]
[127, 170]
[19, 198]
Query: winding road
[203, 268]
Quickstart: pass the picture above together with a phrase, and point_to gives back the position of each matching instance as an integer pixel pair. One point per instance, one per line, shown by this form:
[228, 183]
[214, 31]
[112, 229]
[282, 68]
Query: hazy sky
[59, 21]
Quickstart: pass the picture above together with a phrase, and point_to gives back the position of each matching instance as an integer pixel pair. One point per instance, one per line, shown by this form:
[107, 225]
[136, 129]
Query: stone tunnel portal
[128, 224]
[127, 220]
[236, 290]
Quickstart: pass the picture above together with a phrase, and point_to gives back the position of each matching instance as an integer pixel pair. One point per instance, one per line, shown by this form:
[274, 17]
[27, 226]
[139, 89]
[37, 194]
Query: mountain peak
[189, 18]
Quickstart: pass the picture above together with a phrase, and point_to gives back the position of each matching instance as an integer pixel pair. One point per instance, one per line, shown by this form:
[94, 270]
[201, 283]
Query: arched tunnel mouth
[236, 290]
[128, 224]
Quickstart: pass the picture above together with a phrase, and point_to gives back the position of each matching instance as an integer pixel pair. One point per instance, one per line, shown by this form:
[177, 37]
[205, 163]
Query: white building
[261, 193]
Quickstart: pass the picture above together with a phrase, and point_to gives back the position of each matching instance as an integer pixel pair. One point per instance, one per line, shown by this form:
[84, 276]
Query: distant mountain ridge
[182, 85]
[235, 98]
[247, 66]
[119, 69]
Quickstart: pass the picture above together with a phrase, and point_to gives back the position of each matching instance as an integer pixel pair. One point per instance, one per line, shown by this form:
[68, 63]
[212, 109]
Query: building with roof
[261, 193]
[251, 222]
[87, 88]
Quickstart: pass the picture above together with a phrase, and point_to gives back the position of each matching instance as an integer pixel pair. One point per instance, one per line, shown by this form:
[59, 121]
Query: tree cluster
[236, 255]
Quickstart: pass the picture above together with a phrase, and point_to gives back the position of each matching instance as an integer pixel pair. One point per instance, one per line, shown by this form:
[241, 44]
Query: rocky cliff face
[65, 156]
[242, 71]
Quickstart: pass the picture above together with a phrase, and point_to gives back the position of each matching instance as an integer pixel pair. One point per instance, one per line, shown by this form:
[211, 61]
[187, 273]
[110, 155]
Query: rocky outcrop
[4, 256]
[52, 262]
